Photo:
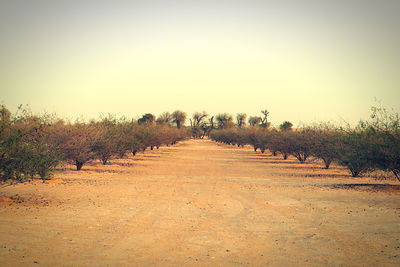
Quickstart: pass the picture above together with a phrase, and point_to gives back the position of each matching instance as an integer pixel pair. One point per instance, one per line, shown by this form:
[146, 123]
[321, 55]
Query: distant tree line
[201, 124]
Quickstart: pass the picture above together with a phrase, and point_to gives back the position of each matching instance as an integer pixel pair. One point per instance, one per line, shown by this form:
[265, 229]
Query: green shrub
[356, 151]
[325, 145]
[25, 151]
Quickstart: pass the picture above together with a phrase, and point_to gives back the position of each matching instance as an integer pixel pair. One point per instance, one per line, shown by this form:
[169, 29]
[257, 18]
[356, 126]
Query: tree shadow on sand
[368, 187]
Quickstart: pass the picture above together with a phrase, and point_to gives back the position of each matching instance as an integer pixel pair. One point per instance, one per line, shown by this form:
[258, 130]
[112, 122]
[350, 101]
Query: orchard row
[33, 146]
[374, 144]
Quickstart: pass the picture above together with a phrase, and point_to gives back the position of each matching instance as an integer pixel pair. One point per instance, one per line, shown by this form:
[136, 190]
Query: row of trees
[34, 145]
[201, 123]
[374, 144]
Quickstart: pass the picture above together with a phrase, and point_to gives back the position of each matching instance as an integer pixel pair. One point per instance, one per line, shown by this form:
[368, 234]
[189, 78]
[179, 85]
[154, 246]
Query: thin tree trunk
[327, 163]
[79, 165]
[396, 174]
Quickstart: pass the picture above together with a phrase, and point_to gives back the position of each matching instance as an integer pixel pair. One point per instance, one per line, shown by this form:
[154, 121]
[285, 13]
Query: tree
[106, 144]
[164, 118]
[147, 118]
[198, 117]
[124, 136]
[224, 120]
[388, 151]
[196, 122]
[241, 120]
[356, 151]
[264, 120]
[207, 127]
[325, 144]
[251, 137]
[262, 140]
[300, 144]
[279, 142]
[75, 142]
[179, 118]
[25, 150]
[384, 126]
[254, 121]
[212, 127]
[286, 126]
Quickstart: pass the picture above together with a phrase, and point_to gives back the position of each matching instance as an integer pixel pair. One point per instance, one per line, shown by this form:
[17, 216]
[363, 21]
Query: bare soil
[201, 204]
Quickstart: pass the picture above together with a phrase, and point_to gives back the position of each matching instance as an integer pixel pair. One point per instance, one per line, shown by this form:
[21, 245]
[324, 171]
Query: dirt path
[201, 204]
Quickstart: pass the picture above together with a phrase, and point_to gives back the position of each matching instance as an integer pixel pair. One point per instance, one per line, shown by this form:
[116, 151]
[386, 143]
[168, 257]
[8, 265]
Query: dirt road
[201, 204]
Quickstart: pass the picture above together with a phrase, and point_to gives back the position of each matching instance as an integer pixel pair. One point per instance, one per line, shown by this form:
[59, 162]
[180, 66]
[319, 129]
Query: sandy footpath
[201, 204]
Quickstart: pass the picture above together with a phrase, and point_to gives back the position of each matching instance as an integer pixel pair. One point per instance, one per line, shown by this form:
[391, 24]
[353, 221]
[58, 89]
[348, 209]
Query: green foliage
[286, 126]
[300, 144]
[384, 128]
[325, 145]
[147, 118]
[356, 151]
[24, 148]
[388, 152]
[375, 144]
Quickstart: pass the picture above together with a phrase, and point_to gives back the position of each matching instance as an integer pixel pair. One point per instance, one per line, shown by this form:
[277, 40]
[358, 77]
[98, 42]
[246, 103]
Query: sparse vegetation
[374, 144]
[33, 145]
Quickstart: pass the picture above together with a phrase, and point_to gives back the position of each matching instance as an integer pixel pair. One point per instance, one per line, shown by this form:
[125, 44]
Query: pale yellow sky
[302, 60]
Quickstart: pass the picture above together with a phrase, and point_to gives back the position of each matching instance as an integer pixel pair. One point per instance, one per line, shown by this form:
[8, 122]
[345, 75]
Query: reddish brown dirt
[201, 204]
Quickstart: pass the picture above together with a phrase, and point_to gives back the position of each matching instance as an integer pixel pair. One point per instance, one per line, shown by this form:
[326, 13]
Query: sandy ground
[201, 204]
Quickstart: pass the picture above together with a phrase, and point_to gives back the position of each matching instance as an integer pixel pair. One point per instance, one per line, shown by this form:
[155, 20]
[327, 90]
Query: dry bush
[34, 145]
[374, 144]
[224, 121]
[107, 142]
[75, 142]
[279, 142]
[325, 145]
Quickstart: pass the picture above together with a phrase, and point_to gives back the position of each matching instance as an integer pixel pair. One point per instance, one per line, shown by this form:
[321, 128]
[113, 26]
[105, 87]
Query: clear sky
[302, 60]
